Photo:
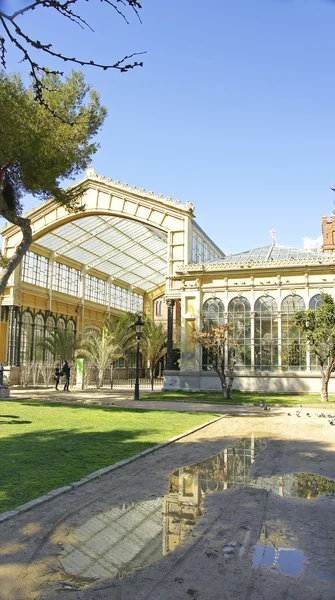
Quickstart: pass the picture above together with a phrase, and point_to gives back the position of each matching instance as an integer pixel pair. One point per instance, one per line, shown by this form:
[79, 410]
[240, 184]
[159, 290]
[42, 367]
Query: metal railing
[129, 383]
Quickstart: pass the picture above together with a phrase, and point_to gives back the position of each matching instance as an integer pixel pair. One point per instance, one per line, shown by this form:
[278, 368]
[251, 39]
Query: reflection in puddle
[289, 562]
[125, 538]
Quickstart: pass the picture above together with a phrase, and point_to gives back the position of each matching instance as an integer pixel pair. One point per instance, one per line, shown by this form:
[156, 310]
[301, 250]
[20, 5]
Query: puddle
[289, 562]
[276, 549]
[135, 535]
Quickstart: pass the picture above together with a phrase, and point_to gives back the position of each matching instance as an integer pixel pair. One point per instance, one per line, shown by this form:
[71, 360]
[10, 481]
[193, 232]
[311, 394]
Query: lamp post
[139, 324]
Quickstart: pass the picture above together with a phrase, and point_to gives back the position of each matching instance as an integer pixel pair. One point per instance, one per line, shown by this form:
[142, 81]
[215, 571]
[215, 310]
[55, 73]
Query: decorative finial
[90, 172]
[273, 237]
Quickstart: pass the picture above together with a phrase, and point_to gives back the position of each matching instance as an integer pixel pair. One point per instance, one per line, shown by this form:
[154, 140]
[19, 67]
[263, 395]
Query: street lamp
[139, 324]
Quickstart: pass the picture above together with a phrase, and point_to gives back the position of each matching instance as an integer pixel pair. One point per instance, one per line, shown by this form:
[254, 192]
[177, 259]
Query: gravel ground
[109, 539]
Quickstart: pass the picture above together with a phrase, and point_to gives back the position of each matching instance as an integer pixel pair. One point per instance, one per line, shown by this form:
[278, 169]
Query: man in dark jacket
[66, 373]
[57, 375]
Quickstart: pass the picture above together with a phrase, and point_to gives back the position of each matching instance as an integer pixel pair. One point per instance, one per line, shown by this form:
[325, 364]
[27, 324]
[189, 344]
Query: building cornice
[255, 265]
[94, 181]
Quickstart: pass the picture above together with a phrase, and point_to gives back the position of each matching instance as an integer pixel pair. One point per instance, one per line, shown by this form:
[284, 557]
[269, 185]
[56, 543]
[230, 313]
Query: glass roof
[271, 252]
[126, 250]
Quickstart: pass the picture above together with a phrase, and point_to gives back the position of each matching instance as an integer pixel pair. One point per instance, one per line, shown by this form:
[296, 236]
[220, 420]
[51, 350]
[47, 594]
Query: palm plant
[123, 330]
[100, 348]
[60, 344]
[153, 345]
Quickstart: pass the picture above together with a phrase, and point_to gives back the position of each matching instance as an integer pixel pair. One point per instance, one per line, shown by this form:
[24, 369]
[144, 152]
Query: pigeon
[288, 414]
[261, 404]
[298, 413]
[331, 422]
[308, 415]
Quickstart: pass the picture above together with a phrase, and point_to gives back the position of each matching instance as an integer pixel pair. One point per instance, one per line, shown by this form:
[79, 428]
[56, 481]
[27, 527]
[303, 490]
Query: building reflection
[189, 485]
[124, 538]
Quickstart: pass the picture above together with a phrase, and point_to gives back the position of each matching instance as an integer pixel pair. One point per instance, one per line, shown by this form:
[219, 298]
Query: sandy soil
[276, 546]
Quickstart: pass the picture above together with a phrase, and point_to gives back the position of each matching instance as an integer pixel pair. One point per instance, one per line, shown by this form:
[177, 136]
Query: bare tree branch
[14, 34]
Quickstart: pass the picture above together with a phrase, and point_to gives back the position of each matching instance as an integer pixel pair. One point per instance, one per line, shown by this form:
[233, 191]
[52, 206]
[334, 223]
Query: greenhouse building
[134, 251]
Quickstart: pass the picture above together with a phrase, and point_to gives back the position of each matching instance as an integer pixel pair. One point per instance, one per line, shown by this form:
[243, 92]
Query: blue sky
[233, 110]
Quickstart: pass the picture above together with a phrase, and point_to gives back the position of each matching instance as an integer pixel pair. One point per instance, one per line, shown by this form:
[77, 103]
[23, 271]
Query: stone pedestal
[4, 393]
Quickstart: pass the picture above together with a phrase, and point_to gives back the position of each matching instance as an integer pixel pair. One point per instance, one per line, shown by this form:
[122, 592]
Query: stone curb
[96, 474]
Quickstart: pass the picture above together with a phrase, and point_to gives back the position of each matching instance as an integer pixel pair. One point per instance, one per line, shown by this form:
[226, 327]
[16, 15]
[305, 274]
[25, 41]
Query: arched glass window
[71, 326]
[50, 323]
[266, 334]
[60, 323]
[49, 331]
[213, 312]
[70, 329]
[315, 302]
[293, 349]
[240, 319]
[38, 337]
[26, 337]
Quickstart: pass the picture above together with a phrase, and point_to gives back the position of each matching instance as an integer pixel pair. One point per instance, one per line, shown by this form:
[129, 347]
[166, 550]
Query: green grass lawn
[239, 398]
[44, 446]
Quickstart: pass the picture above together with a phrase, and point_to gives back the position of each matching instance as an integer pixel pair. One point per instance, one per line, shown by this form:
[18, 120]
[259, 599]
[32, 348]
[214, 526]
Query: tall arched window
[70, 329]
[315, 302]
[240, 319]
[38, 337]
[49, 331]
[60, 323]
[293, 349]
[213, 312]
[266, 334]
[26, 337]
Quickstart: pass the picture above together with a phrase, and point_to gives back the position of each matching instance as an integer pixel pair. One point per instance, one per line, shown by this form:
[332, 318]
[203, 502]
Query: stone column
[170, 305]
[11, 334]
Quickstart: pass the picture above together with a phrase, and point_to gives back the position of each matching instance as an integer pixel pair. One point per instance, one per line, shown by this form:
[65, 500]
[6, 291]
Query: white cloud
[309, 244]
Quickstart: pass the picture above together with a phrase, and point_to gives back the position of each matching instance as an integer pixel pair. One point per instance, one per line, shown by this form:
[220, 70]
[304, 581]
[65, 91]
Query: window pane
[66, 279]
[266, 333]
[95, 289]
[35, 269]
[240, 319]
[293, 346]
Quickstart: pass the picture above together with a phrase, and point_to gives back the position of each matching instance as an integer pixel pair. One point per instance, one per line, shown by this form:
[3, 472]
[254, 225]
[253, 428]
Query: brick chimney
[328, 234]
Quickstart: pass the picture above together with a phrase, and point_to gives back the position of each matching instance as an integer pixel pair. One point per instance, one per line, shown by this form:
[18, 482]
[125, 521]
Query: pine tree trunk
[27, 236]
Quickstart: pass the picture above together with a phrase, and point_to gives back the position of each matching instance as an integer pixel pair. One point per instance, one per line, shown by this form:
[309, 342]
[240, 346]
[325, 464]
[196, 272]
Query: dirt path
[77, 545]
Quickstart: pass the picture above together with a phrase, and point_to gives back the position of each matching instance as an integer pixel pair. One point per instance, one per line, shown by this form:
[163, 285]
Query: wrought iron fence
[145, 383]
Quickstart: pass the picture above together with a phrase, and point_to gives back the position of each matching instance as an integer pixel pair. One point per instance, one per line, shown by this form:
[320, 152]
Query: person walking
[66, 372]
[57, 375]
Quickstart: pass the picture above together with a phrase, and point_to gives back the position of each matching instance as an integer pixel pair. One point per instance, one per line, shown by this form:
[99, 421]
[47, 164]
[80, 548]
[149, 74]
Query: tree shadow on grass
[35, 463]
[14, 422]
